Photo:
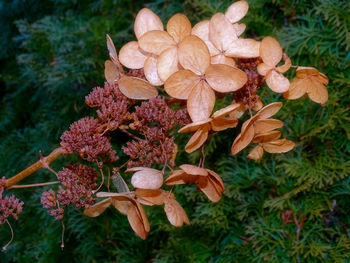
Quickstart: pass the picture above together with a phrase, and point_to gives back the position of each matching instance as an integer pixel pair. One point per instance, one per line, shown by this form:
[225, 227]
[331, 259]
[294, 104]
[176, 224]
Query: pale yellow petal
[237, 11]
[180, 84]
[179, 27]
[146, 21]
[167, 63]
[131, 56]
[243, 48]
[135, 88]
[270, 51]
[156, 42]
[277, 82]
[151, 72]
[256, 154]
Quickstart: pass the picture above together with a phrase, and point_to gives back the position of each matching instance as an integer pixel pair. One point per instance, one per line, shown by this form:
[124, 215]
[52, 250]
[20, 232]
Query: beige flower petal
[277, 82]
[236, 114]
[179, 27]
[297, 89]
[200, 102]
[135, 88]
[279, 146]
[156, 42]
[151, 72]
[175, 213]
[258, 104]
[194, 126]
[227, 110]
[322, 78]
[111, 71]
[194, 170]
[239, 28]
[146, 21]
[201, 30]
[131, 56]
[270, 51]
[243, 48]
[150, 197]
[221, 123]
[304, 72]
[223, 78]
[237, 11]
[263, 69]
[267, 137]
[180, 84]
[98, 208]
[209, 189]
[221, 32]
[219, 184]
[121, 206]
[317, 91]
[197, 139]
[138, 220]
[266, 125]
[180, 177]
[222, 59]
[242, 141]
[147, 179]
[111, 48]
[194, 55]
[256, 154]
[167, 63]
[269, 110]
[286, 66]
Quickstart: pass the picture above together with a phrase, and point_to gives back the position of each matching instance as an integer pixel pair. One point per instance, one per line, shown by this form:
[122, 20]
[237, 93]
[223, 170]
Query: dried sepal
[167, 63]
[256, 154]
[136, 88]
[111, 48]
[270, 51]
[98, 208]
[131, 56]
[180, 84]
[150, 197]
[151, 71]
[243, 48]
[237, 11]
[147, 178]
[175, 213]
[156, 42]
[146, 20]
[111, 72]
[201, 30]
[179, 27]
[197, 139]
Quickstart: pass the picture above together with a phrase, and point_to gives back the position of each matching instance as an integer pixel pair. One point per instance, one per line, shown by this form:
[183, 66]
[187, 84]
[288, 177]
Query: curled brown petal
[267, 137]
[197, 139]
[111, 71]
[194, 170]
[266, 125]
[194, 126]
[278, 146]
[269, 110]
[317, 91]
[242, 141]
[98, 208]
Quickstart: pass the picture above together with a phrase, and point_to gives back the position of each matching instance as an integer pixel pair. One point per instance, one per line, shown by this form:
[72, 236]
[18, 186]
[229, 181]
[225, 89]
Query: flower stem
[32, 185]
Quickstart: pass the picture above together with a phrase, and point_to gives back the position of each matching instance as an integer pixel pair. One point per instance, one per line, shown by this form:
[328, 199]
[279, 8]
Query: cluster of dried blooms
[194, 66]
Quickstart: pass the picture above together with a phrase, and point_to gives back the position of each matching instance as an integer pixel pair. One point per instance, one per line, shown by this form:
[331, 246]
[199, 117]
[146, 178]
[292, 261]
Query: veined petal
[179, 27]
[317, 91]
[221, 123]
[147, 179]
[150, 197]
[194, 55]
[175, 213]
[194, 170]
[297, 89]
[180, 84]
[269, 110]
[266, 125]
[111, 71]
[201, 30]
[267, 137]
[223, 78]
[304, 72]
[156, 41]
[135, 88]
[279, 146]
[209, 189]
[146, 21]
[227, 110]
[151, 72]
[221, 32]
[222, 59]
[201, 102]
[237, 11]
[167, 63]
[111, 48]
[138, 220]
[243, 48]
[197, 139]
[219, 184]
[131, 56]
[263, 69]
[270, 51]
[322, 78]
[194, 126]
[256, 154]
[277, 82]
[180, 177]
[242, 140]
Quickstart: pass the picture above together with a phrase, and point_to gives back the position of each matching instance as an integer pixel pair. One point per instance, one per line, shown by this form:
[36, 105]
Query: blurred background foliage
[52, 55]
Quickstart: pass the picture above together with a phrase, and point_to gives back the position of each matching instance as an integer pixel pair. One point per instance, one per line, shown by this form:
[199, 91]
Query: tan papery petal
[322, 78]
[223, 78]
[297, 88]
[201, 30]
[180, 177]
[267, 137]
[179, 27]
[131, 56]
[317, 91]
[98, 208]
[304, 72]
[121, 206]
[258, 104]
[194, 170]
[256, 154]
[111, 48]
[270, 51]
[243, 48]
[264, 69]
[135, 88]
[147, 179]
[277, 82]
[221, 123]
[237, 11]
[167, 63]
[286, 66]
[150, 197]
[200, 102]
[175, 213]
[194, 126]
[111, 71]
[239, 28]
[227, 110]
[146, 21]
[180, 84]
[222, 59]
[279, 146]
[156, 42]
[151, 71]
[194, 55]
[242, 141]
[219, 184]
[269, 110]
[138, 223]
[266, 125]
[236, 114]
[221, 32]
[210, 190]
[197, 139]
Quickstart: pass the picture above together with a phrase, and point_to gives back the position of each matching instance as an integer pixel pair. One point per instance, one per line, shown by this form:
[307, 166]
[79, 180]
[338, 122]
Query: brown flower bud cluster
[9, 205]
[82, 138]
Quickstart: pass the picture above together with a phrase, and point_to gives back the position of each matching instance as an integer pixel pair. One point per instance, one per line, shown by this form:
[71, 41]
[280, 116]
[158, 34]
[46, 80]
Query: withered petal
[135, 88]
[237, 11]
[270, 51]
[156, 42]
[147, 179]
[98, 208]
[175, 213]
[266, 125]
[111, 48]
[222, 123]
[179, 27]
[227, 110]
[256, 154]
[167, 63]
[180, 84]
[194, 126]
[131, 56]
[278, 146]
[197, 139]
[222, 59]
[151, 71]
[277, 82]
[111, 71]
[201, 30]
[242, 140]
[297, 88]
[146, 21]
[269, 110]
[193, 170]
[267, 137]
[317, 91]
[243, 48]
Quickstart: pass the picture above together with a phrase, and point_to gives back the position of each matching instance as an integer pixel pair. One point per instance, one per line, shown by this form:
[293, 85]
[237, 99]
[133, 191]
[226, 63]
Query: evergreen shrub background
[52, 55]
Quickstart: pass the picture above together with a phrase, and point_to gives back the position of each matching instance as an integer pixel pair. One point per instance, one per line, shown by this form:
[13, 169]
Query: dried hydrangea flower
[207, 180]
[309, 80]
[271, 54]
[198, 80]
[49, 202]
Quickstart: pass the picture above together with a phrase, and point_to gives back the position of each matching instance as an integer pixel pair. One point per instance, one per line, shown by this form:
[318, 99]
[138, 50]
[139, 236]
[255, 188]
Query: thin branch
[102, 181]
[32, 185]
[34, 167]
[12, 235]
[62, 236]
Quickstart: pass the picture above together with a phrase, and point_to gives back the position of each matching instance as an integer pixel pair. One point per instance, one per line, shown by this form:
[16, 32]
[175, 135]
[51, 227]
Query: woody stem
[43, 162]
